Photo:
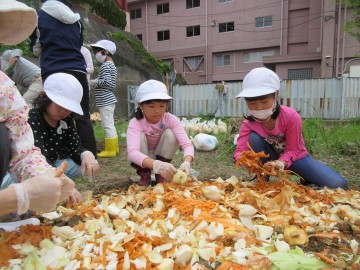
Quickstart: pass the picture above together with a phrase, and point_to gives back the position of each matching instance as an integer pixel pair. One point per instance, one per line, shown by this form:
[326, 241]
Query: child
[154, 135]
[104, 86]
[276, 130]
[54, 127]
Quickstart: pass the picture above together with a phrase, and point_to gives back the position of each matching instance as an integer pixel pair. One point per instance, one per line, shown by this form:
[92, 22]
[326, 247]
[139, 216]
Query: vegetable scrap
[215, 224]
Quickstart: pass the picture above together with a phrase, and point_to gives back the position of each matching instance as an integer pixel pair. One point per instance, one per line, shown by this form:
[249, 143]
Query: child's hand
[277, 164]
[166, 170]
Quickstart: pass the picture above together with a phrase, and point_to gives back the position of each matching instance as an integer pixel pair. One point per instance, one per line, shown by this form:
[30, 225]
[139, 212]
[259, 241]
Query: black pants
[83, 123]
[4, 150]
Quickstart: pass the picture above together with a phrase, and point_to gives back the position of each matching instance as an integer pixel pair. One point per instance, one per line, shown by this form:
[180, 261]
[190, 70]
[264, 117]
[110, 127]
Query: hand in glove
[88, 163]
[166, 170]
[75, 196]
[42, 192]
[185, 167]
[277, 164]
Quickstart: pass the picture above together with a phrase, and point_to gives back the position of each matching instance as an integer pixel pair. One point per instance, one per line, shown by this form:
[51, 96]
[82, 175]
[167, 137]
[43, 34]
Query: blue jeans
[73, 169]
[312, 171]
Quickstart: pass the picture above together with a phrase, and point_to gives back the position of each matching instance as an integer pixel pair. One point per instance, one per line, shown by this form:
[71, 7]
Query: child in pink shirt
[154, 135]
[277, 130]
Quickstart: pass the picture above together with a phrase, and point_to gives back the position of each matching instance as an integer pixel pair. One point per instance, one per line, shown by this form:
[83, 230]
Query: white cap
[106, 45]
[65, 90]
[259, 82]
[17, 22]
[152, 89]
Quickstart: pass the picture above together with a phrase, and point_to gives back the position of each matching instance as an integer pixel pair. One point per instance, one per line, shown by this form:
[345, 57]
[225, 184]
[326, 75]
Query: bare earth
[116, 173]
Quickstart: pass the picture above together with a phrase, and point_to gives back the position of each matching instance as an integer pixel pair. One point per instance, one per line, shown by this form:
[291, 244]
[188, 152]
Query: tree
[352, 26]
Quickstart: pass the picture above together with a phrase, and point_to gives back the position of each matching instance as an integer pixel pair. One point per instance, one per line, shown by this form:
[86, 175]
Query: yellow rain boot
[117, 145]
[110, 148]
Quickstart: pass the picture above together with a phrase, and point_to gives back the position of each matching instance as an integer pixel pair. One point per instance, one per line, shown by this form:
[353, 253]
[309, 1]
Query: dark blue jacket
[60, 44]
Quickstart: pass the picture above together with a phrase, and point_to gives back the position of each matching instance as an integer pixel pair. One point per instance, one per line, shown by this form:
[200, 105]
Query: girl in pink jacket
[277, 130]
[154, 135]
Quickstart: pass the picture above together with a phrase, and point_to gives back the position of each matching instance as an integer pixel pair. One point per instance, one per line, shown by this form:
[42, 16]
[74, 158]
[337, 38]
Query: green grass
[321, 137]
[336, 144]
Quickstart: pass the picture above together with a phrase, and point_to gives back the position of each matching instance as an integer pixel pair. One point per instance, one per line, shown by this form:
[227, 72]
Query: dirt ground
[116, 173]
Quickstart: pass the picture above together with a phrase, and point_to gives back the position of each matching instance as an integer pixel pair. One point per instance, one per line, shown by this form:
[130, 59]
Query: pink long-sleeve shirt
[286, 137]
[153, 133]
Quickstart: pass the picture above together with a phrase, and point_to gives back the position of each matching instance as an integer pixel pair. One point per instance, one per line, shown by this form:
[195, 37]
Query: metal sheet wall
[315, 98]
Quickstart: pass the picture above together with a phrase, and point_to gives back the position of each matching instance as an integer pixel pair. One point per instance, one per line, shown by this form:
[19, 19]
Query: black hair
[138, 114]
[98, 49]
[42, 102]
[275, 113]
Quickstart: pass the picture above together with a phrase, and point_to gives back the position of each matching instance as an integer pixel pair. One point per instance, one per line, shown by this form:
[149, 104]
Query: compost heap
[219, 224]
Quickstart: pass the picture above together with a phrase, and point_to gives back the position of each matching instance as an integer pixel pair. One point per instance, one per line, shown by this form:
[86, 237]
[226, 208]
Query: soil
[116, 173]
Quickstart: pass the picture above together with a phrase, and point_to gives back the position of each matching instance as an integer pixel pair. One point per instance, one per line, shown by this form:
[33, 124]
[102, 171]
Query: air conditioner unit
[355, 71]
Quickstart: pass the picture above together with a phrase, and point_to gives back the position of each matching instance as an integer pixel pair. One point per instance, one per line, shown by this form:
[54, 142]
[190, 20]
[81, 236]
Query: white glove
[277, 164]
[42, 192]
[166, 170]
[75, 196]
[88, 163]
[185, 167]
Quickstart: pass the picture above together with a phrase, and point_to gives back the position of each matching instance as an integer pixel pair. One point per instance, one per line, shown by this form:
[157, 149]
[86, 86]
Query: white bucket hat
[106, 45]
[152, 89]
[17, 22]
[259, 82]
[65, 90]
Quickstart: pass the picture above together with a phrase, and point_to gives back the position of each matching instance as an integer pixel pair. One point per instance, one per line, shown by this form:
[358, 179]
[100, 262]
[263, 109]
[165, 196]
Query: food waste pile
[217, 224]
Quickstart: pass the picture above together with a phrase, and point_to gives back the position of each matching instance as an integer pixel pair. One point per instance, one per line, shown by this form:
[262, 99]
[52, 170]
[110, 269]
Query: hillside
[134, 63]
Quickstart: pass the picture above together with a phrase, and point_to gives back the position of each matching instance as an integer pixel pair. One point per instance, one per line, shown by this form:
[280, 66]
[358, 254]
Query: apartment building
[221, 40]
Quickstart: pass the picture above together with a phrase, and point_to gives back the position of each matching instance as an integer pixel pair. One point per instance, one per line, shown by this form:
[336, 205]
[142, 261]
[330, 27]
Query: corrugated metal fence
[316, 98]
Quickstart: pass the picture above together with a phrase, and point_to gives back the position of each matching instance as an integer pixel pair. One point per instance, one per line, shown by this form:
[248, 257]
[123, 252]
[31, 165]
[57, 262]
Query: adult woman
[42, 190]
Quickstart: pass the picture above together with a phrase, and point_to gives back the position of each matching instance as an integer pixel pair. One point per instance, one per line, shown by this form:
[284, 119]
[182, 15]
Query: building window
[163, 35]
[300, 73]
[263, 21]
[135, 14]
[194, 63]
[192, 3]
[256, 56]
[226, 27]
[162, 8]
[224, 1]
[223, 60]
[139, 36]
[192, 31]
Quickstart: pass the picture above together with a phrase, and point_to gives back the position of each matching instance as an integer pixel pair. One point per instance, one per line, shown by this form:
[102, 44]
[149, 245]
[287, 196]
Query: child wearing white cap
[277, 130]
[36, 186]
[153, 135]
[54, 127]
[104, 86]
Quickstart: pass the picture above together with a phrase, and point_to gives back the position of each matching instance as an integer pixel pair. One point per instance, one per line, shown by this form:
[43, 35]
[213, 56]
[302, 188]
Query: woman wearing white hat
[42, 190]
[54, 127]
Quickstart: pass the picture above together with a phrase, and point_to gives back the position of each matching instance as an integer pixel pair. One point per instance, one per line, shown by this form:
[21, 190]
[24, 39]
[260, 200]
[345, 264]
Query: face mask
[263, 114]
[100, 58]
